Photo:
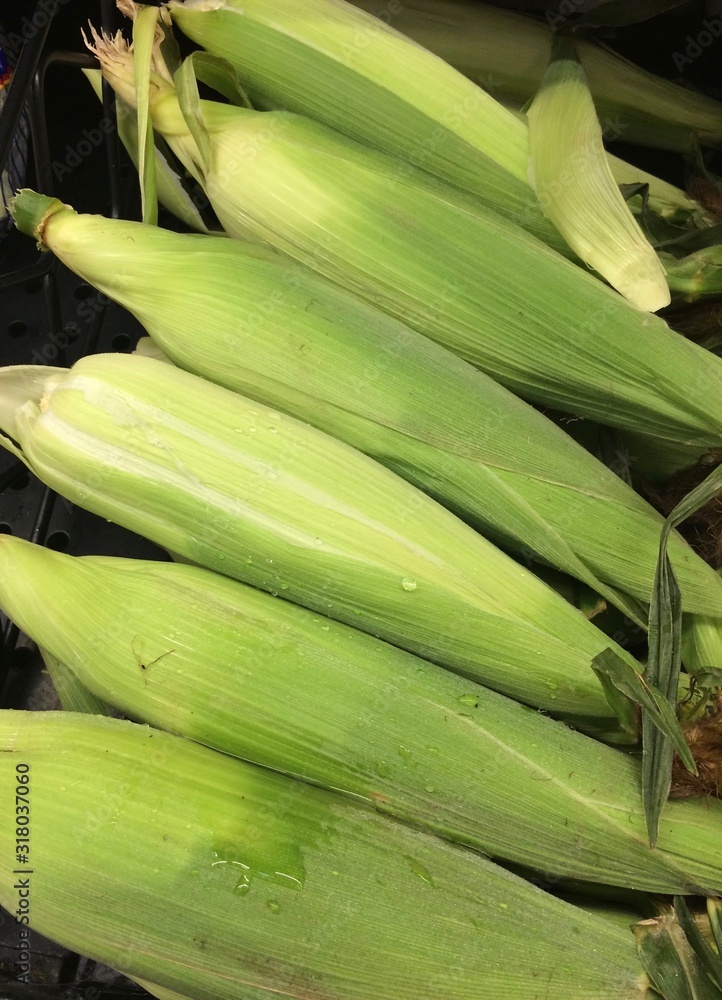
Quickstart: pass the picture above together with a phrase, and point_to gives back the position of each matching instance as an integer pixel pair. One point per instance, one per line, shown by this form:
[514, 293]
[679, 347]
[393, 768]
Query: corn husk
[171, 192]
[338, 65]
[507, 53]
[577, 189]
[205, 657]
[235, 486]
[251, 320]
[551, 333]
[214, 879]
[660, 197]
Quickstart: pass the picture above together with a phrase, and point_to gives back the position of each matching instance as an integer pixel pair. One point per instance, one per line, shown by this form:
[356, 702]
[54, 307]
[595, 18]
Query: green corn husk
[171, 193]
[660, 198]
[577, 189]
[507, 54]
[678, 965]
[696, 277]
[205, 657]
[551, 333]
[235, 486]
[215, 879]
[255, 322]
[702, 643]
[664, 199]
[336, 64]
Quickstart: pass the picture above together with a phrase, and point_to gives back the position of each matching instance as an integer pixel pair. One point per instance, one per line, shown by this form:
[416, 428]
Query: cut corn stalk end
[30, 212]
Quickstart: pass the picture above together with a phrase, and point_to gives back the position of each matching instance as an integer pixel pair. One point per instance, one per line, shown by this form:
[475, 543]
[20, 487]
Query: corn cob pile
[392, 755]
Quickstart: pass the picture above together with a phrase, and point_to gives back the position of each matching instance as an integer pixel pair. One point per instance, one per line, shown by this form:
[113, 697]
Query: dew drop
[408, 584]
[418, 869]
[469, 699]
[274, 906]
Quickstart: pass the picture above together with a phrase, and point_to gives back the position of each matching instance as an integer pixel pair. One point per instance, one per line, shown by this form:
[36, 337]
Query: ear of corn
[255, 322]
[507, 54]
[577, 190]
[211, 878]
[340, 66]
[553, 334]
[665, 198]
[229, 666]
[232, 485]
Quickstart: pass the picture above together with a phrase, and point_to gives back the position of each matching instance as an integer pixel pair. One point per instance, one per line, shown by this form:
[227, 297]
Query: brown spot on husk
[704, 738]
[703, 529]
[707, 193]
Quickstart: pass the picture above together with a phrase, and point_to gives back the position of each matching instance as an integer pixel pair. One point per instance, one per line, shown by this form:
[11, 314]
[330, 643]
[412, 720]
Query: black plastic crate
[49, 316]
